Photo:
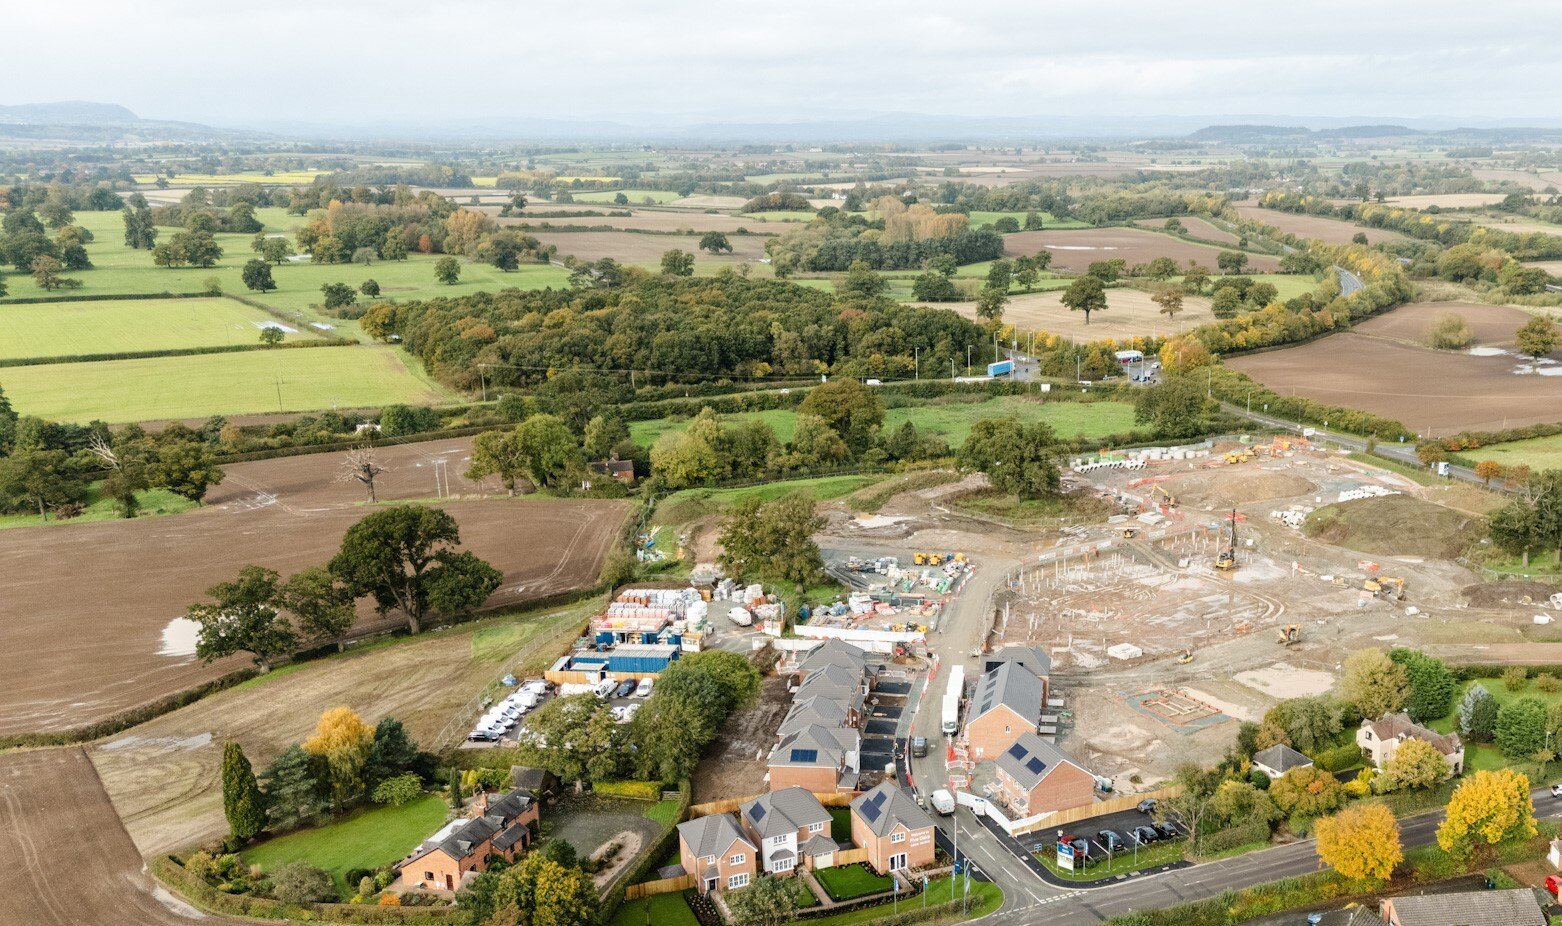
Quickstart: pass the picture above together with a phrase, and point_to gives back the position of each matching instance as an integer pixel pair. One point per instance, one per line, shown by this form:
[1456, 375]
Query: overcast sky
[406, 61]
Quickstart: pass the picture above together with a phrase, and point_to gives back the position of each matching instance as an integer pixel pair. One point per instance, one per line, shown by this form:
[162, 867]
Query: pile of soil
[1224, 489]
[1394, 525]
[1511, 592]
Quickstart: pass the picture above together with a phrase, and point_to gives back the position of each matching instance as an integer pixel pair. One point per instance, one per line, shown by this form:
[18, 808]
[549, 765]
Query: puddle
[1486, 352]
[179, 637]
[277, 325]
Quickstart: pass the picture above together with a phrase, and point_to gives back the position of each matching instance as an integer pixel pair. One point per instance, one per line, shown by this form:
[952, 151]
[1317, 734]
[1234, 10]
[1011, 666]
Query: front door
[710, 885]
[897, 862]
[450, 882]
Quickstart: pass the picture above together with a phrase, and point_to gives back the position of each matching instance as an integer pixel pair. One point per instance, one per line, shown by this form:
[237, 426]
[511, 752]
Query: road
[1349, 282]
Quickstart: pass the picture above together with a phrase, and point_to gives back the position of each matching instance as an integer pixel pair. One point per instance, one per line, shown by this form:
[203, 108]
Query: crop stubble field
[1077, 249]
[1327, 230]
[88, 605]
[1129, 313]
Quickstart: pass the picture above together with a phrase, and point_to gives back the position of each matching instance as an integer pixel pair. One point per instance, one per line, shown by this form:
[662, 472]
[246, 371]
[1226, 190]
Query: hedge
[1254, 831]
[173, 352]
[652, 854]
[1338, 758]
[167, 869]
[102, 297]
[633, 790]
[124, 720]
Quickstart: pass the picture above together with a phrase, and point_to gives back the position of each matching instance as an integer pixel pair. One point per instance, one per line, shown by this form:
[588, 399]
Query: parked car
[1082, 855]
[1147, 805]
[625, 688]
[643, 690]
[1167, 829]
[919, 746]
[1556, 790]
[1110, 841]
[630, 711]
[1146, 834]
[481, 736]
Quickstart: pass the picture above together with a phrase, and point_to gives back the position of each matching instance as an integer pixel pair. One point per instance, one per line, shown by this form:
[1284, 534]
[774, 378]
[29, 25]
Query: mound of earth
[1512, 592]
[1224, 489]
[1394, 525]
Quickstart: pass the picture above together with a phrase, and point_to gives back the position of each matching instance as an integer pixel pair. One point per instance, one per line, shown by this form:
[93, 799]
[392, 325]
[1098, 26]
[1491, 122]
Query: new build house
[819, 742]
[896, 833]
[1033, 658]
[1034, 777]
[1008, 704]
[1381, 737]
[717, 853]
[791, 828]
[497, 828]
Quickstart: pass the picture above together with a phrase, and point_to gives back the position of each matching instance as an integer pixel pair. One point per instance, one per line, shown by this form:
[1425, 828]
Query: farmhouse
[896, 833]
[791, 827]
[1034, 777]
[716, 852]
[1007, 704]
[1381, 737]
[1277, 760]
[497, 828]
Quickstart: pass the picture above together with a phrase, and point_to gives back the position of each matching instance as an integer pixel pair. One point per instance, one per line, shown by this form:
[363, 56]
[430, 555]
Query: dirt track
[92, 877]
[1078, 249]
[88, 604]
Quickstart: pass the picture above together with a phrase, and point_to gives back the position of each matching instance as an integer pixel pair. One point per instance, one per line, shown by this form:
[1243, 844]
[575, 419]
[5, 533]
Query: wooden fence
[850, 856]
[663, 886]
[1097, 809]
[828, 799]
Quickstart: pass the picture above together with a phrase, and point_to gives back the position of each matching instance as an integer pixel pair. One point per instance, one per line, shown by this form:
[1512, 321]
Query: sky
[366, 62]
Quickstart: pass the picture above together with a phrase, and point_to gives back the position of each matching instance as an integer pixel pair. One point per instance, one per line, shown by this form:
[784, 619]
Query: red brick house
[792, 830]
[1034, 777]
[1008, 703]
[896, 833]
[717, 853]
[497, 828]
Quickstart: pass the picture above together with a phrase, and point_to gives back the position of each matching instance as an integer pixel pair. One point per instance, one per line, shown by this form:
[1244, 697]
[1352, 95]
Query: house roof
[510, 837]
[834, 653]
[1400, 726]
[1033, 658]
[829, 712]
[887, 806]
[711, 835]
[1013, 686]
[832, 681]
[459, 842]
[1516, 907]
[784, 811]
[530, 780]
[815, 745]
[1031, 759]
[819, 844]
[1281, 758]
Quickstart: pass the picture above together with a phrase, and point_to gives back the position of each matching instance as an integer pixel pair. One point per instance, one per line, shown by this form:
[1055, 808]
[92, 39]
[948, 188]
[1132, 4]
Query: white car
[643, 690]
[1556, 790]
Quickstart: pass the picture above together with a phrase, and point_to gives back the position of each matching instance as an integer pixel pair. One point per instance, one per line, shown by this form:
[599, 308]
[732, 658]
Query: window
[778, 840]
[737, 881]
[428, 876]
[1006, 728]
[897, 837]
[737, 859]
[783, 864]
[707, 860]
[816, 827]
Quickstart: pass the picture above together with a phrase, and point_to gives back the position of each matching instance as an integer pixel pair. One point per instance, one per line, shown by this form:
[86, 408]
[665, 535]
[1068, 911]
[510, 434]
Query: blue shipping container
[1001, 368]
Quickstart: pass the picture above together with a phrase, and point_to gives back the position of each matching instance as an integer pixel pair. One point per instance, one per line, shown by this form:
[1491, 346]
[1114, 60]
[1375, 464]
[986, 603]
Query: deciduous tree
[1416, 764]
[405, 558]
[322, 607]
[257, 276]
[1374, 683]
[242, 616]
[1360, 842]
[1486, 809]
[1018, 458]
[447, 270]
[853, 410]
[1520, 729]
[1086, 294]
[1537, 338]
[342, 741]
[497, 453]
[678, 263]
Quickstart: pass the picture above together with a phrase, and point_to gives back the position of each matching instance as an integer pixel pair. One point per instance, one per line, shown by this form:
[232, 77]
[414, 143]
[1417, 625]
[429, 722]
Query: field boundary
[102, 297]
[172, 352]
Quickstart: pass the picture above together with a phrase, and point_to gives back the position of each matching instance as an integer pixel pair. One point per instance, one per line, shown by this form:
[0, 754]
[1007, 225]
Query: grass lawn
[1032, 511]
[983, 897]
[659, 910]
[217, 384]
[848, 882]
[1538, 453]
[801, 895]
[375, 837]
[635, 196]
[841, 824]
[691, 504]
[1485, 756]
[663, 812]
[55, 329]
[99, 508]
[1160, 853]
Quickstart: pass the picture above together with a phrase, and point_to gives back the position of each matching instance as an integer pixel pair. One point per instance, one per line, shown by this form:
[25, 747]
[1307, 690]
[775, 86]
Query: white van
[643, 690]
[605, 688]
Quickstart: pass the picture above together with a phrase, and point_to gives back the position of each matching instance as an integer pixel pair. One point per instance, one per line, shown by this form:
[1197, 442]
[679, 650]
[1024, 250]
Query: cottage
[1034, 777]
[716, 852]
[790, 827]
[615, 469]
[1007, 704]
[1517, 907]
[1277, 760]
[896, 833]
[1381, 737]
[497, 828]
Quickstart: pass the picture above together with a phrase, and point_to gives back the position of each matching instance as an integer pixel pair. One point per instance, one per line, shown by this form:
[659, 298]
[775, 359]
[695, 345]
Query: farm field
[279, 177]
[1430, 392]
[81, 649]
[1048, 220]
[55, 329]
[109, 884]
[778, 215]
[1492, 325]
[642, 219]
[708, 201]
[1447, 200]
[630, 248]
[1197, 227]
[1517, 224]
[1535, 180]
[1327, 230]
[159, 388]
[164, 775]
[1077, 250]
[1129, 313]
[1537, 453]
[951, 421]
[635, 196]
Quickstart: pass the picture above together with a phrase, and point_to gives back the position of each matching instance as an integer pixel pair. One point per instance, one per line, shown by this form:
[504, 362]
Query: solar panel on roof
[1017, 751]
[872, 806]
[758, 813]
[805, 755]
[1035, 765]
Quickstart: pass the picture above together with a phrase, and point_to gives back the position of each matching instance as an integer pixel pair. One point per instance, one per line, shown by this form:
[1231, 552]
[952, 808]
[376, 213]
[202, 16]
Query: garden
[848, 882]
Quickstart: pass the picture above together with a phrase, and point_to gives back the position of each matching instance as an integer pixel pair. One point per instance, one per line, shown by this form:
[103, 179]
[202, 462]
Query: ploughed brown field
[1327, 230]
[1197, 227]
[89, 606]
[1381, 367]
[630, 248]
[1077, 249]
[55, 818]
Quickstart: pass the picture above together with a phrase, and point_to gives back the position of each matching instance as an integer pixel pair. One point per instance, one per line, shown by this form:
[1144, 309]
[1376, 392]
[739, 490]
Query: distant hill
[69, 112]
[87, 122]
[1240, 134]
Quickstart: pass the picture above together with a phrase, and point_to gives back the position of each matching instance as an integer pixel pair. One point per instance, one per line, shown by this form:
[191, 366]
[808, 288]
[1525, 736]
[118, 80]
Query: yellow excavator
[1166, 498]
[1290, 635]
[1227, 558]
[1385, 586]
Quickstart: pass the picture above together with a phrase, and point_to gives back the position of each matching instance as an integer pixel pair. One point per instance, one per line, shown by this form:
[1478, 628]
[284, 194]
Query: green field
[370, 839]
[55, 329]
[216, 384]
[951, 421]
[1485, 756]
[635, 196]
[1537, 453]
[100, 508]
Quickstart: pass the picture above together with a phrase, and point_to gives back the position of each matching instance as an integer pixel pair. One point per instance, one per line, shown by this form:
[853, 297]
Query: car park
[643, 690]
[1146, 835]
[1147, 805]
[1110, 841]
[1167, 829]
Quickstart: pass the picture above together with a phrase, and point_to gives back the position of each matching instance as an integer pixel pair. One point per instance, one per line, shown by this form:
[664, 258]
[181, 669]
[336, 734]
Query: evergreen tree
[292, 788]
[242, 801]
[392, 752]
[1477, 715]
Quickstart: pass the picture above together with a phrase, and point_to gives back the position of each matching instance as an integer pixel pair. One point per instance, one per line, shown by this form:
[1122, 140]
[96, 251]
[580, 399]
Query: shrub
[396, 791]
[1547, 683]
[1514, 678]
[1339, 758]
[301, 882]
[634, 790]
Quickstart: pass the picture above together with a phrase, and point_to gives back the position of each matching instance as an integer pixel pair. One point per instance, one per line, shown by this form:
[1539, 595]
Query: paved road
[1349, 282]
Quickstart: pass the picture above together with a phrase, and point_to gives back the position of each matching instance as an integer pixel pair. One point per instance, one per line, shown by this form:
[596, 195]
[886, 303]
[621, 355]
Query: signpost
[1065, 854]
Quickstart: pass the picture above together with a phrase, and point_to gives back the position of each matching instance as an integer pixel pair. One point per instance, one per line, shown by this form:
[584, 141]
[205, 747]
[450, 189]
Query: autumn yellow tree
[342, 739]
[1487, 809]
[1488, 470]
[1361, 842]
[1416, 764]
[1374, 683]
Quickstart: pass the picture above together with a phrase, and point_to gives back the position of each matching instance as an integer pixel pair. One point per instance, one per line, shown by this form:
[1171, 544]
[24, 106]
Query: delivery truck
[952, 696]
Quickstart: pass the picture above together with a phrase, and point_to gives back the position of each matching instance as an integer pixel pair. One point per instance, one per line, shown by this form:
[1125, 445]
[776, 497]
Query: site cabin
[1008, 704]
[1034, 777]
[715, 851]
[792, 830]
[1517, 907]
[889, 825]
[1381, 738]
[497, 828]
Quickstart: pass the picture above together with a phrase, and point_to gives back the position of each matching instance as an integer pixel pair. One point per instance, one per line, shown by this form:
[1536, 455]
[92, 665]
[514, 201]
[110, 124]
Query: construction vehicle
[1239, 456]
[1290, 635]
[1227, 558]
[1185, 658]
[1386, 587]
[1130, 533]
[1166, 498]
